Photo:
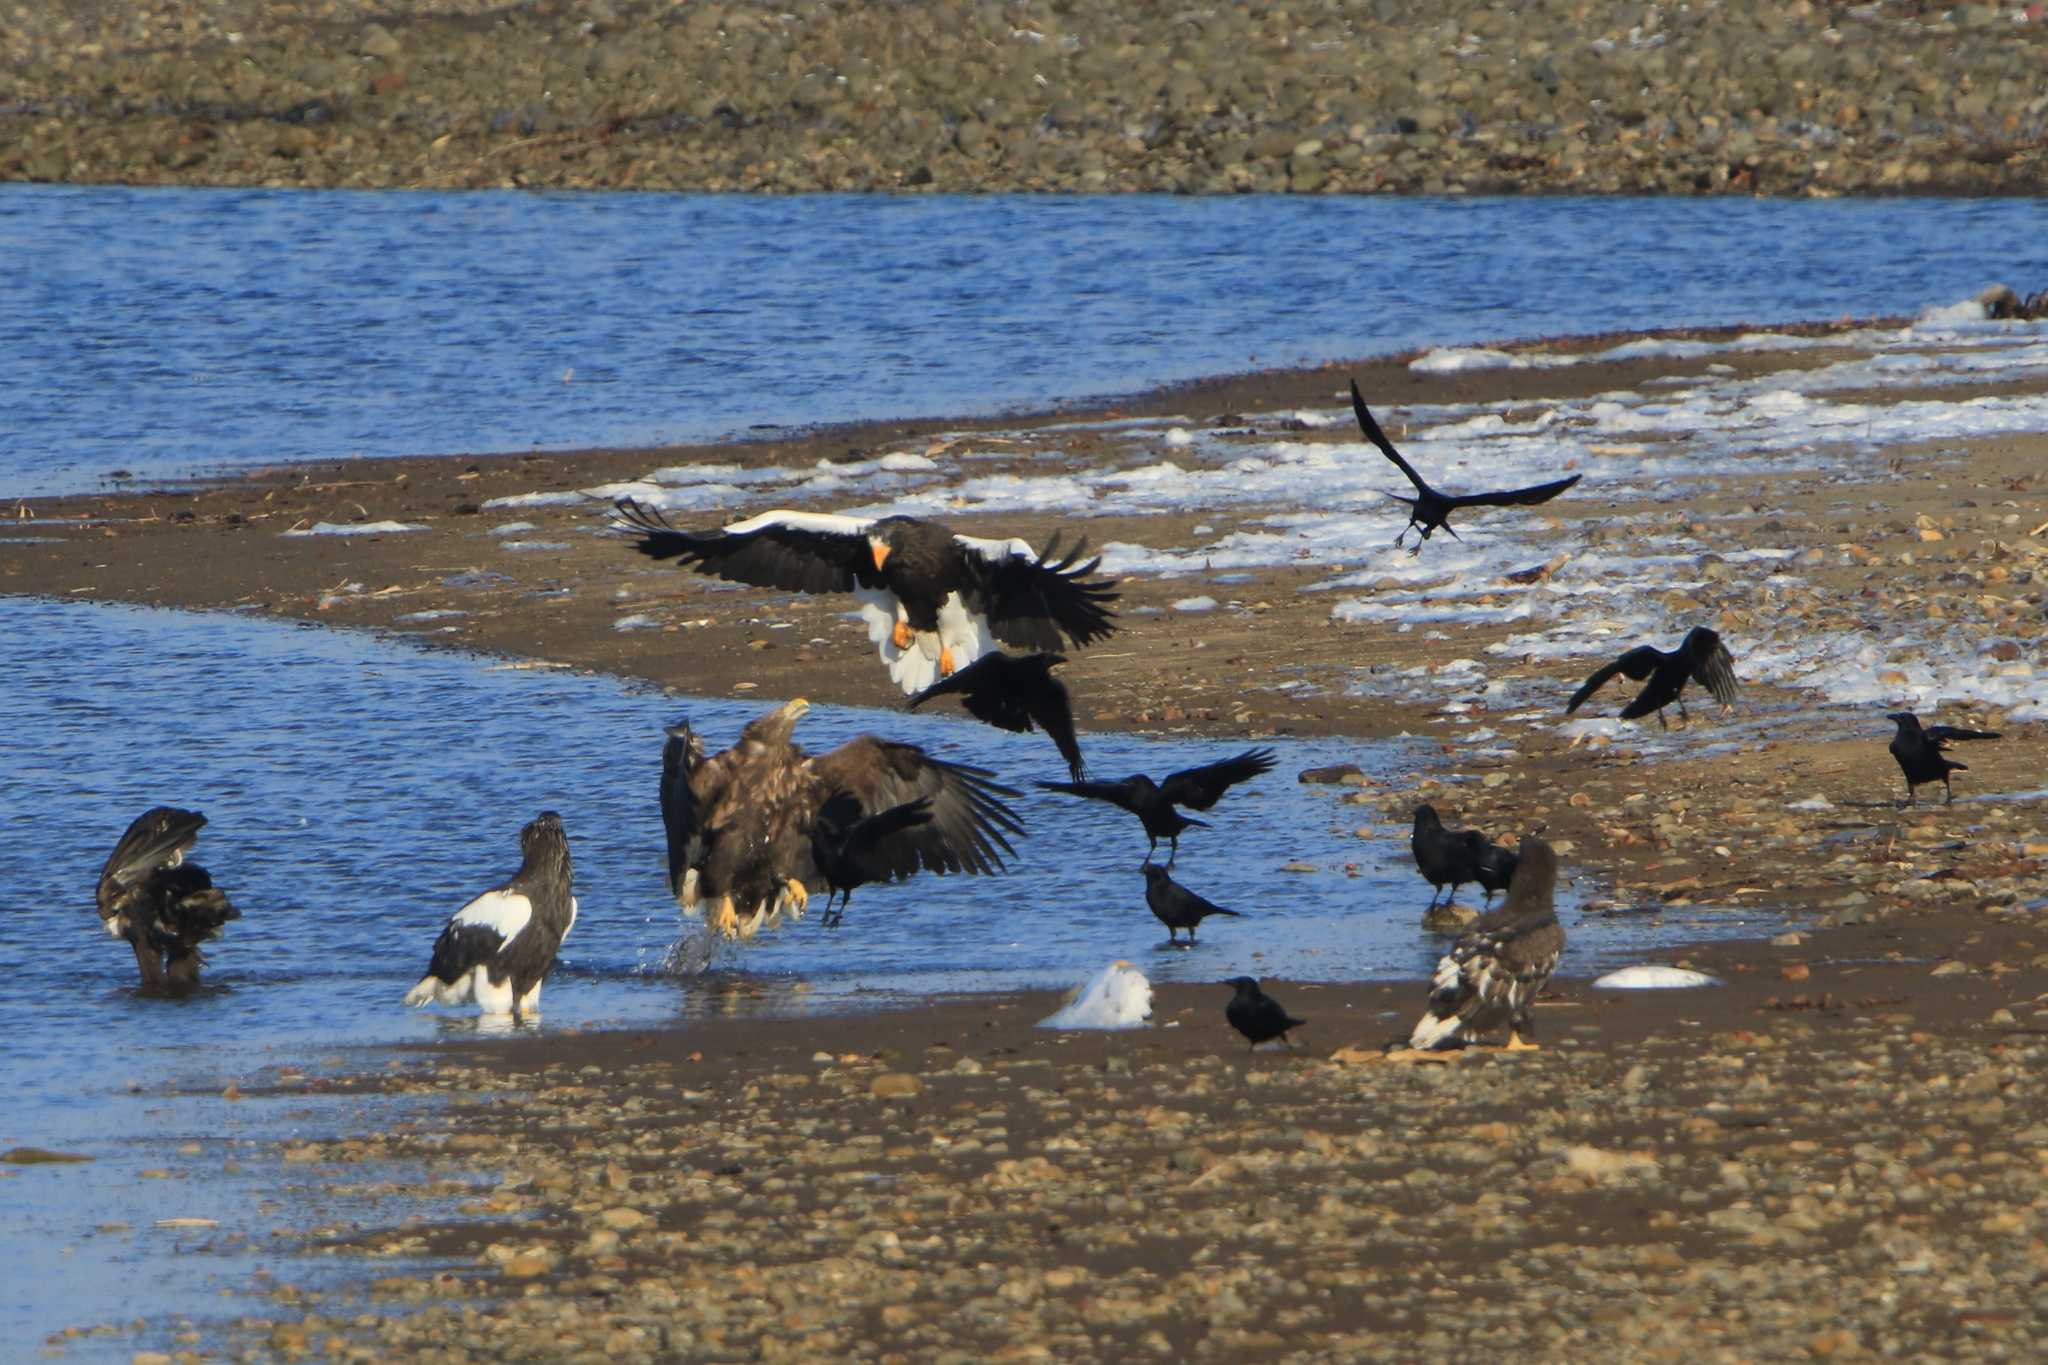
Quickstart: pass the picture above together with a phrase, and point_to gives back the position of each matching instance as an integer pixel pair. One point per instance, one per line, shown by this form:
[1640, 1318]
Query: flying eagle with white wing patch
[934, 601]
[499, 948]
[741, 824]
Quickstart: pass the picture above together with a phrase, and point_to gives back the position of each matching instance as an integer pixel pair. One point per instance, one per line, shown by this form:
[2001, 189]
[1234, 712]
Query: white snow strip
[354, 528]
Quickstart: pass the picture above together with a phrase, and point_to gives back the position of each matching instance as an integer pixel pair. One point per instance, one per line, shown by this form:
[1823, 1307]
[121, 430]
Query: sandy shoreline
[1147, 1170]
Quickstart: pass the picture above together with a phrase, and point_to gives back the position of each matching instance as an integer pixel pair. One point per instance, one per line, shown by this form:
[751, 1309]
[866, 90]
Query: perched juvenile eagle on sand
[160, 905]
[934, 602]
[1494, 972]
[740, 823]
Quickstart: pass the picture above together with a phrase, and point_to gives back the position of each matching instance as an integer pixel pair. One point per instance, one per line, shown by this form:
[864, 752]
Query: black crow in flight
[1429, 509]
[1014, 693]
[1153, 802]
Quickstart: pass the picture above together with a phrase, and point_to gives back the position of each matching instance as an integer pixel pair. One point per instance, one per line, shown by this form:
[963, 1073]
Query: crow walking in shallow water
[1013, 693]
[1429, 509]
[1257, 1015]
[1452, 858]
[1153, 802]
[160, 905]
[850, 849]
[1177, 907]
[1919, 748]
[1700, 657]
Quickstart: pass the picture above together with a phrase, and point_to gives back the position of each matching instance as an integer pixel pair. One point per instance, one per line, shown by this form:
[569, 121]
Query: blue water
[169, 332]
[360, 789]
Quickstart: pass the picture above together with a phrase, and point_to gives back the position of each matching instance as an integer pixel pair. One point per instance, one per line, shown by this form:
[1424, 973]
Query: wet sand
[1838, 1153]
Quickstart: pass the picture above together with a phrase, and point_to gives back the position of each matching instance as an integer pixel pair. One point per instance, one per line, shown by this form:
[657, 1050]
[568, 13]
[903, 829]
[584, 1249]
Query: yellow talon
[799, 898]
[725, 919]
[945, 662]
[1515, 1044]
[901, 636]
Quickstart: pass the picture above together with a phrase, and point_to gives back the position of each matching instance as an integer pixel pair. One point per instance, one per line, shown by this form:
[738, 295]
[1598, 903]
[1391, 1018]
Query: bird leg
[1515, 1043]
[149, 962]
[752, 925]
[1909, 792]
[947, 668]
[1662, 724]
[725, 920]
[799, 897]
[1950, 800]
[901, 636]
[1683, 714]
[1172, 849]
[1518, 1026]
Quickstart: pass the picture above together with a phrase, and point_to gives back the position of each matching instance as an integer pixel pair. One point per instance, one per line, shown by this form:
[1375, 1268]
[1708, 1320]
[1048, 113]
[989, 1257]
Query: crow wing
[1713, 666]
[1942, 734]
[1515, 497]
[1011, 694]
[869, 842]
[1379, 438]
[1032, 600]
[1638, 664]
[968, 822]
[1123, 793]
[792, 551]
[1200, 788]
[680, 758]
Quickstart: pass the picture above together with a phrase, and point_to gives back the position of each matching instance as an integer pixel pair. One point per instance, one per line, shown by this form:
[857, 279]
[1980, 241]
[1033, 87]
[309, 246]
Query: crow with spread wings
[1700, 657]
[1153, 802]
[1429, 509]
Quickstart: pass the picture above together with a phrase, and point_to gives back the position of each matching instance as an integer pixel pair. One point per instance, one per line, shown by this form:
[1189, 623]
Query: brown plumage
[160, 905]
[1494, 972]
[740, 823]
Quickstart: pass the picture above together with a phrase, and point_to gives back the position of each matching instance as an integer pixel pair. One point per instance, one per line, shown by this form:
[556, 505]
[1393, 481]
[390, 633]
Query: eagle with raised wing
[744, 825]
[934, 602]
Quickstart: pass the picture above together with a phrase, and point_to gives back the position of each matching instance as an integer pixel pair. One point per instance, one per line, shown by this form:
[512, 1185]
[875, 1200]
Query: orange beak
[881, 552]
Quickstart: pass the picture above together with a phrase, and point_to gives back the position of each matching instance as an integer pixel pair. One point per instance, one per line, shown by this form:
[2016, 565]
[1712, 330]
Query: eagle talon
[946, 665]
[799, 897]
[1515, 1043]
[725, 920]
[901, 636]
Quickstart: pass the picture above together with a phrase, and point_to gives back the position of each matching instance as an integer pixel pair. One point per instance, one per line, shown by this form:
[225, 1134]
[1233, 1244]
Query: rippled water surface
[163, 332]
[359, 790]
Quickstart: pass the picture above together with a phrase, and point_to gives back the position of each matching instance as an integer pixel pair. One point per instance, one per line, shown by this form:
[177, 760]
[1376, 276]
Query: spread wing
[1713, 666]
[1200, 788]
[1032, 600]
[1013, 694]
[1638, 664]
[969, 824]
[1379, 438]
[1942, 734]
[680, 757]
[157, 838]
[870, 843]
[1515, 497]
[793, 551]
[1123, 793]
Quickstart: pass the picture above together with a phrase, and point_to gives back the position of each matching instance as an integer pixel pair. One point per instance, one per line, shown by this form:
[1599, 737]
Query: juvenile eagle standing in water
[161, 905]
[741, 823]
[1494, 972]
[934, 602]
[497, 949]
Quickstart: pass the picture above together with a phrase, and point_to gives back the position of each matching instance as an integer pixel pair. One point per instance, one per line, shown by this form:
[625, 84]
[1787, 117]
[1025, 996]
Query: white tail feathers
[428, 991]
[963, 633]
[1432, 1031]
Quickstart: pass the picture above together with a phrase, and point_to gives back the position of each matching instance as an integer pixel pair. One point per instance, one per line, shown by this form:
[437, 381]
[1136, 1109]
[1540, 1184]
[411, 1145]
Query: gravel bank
[1588, 96]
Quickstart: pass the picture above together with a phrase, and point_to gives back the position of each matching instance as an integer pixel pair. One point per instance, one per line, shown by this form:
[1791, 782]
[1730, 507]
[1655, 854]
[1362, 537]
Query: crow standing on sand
[1012, 693]
[161, 905]
[1429, 509]
[933, 601]
[1919, 751]
[1257, 1015]
[1455, 857]
[1177, 907]
[1153, 802]
[1700, 657]
[1494, 972]
[850, 849]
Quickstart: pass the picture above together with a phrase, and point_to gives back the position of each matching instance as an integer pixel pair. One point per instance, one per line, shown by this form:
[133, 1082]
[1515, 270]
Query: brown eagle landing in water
[740, 823]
